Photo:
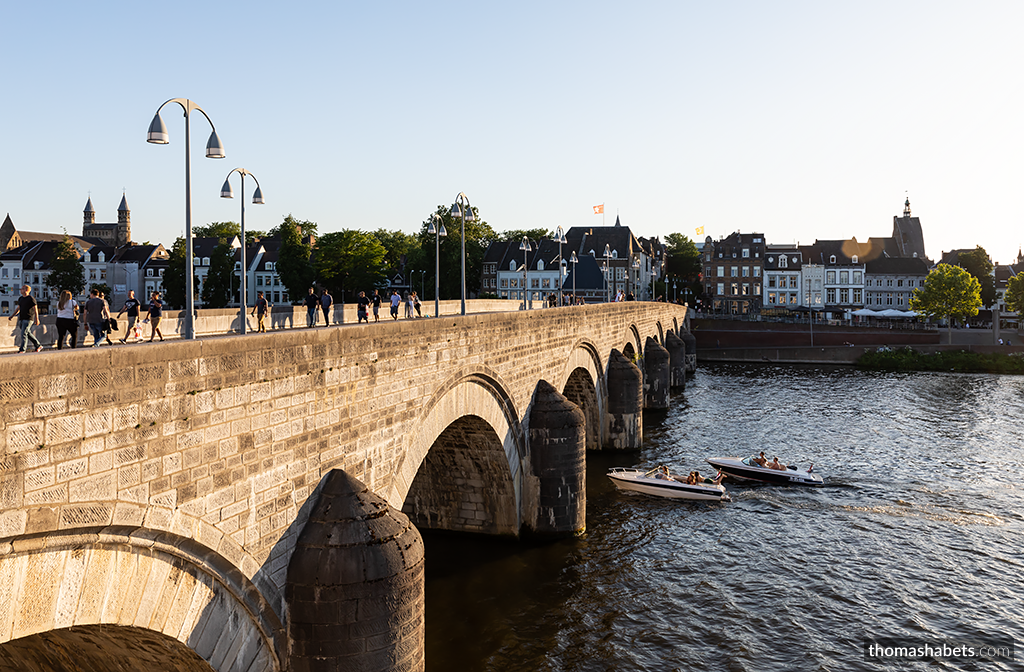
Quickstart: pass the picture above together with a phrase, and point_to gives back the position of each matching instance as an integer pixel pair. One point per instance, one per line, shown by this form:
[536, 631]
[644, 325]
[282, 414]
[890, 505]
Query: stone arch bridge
[237, 503]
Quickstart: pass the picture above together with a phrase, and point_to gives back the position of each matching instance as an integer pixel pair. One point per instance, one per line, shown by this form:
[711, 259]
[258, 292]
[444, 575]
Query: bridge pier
[677, 361]
[690, 341]
[625, 403]
[558, 448]
[355, 585]
[656, 380]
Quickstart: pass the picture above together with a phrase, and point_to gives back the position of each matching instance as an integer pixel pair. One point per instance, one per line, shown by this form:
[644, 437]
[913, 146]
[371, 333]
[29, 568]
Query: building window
[771, 298]
[734, 289]
[782, 261]
[899, 283]
[844, 296]
[856, 277]
[546, 283]
[745, 289]
[504, 283]
[853, 259]
[856, 296]
[830, 278]
[259, 280]
[771, 282]
[535, 283]
[721, 271]
[757, 271]
[746, 253]
[888, 282]
[746, 271]
[844, 277]
[734, 271]
[888, 298]
[830, 295]
[832, 259]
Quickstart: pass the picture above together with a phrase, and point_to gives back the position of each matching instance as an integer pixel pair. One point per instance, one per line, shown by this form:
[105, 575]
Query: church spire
[89, 213]
[906, 208]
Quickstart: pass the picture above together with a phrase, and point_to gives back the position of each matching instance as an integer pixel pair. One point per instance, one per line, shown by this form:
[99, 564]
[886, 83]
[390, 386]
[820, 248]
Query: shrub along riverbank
[961, 361]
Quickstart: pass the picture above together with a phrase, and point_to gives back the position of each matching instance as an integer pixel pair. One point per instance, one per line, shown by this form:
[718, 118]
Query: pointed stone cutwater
[691, 350]
[676, 361]
[625, 403]
[355, 584]
[558, 454]
[656, 382]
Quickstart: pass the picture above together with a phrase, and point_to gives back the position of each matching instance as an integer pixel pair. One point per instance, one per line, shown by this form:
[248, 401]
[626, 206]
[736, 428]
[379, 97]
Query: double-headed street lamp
[525, 247]
[462, 209]
[636, 271]
[439, 233]
[214, 150]
[560, 237]
[257, 199]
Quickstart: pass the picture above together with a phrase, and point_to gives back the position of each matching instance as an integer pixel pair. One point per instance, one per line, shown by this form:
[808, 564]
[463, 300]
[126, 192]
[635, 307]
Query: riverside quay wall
[253, 502]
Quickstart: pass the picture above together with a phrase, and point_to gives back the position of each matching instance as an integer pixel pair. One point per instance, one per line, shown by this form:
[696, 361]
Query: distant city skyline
[798, 120]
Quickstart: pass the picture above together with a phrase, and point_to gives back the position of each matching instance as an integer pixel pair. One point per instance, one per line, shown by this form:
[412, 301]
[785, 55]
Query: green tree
[948, 292]
[479, 235]
[217, 288]
[683, 257]
[517, 234]
[174, 276]
[349, 261]
[66, 269]
[977, 263]
[103, 288]
[1015, 294]
[293, 259]
[225, 230]
[398, 247]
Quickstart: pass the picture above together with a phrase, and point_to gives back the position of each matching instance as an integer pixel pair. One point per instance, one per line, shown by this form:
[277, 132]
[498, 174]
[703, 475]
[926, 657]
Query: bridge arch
[463, 469]
[137, 586]
[583, 382]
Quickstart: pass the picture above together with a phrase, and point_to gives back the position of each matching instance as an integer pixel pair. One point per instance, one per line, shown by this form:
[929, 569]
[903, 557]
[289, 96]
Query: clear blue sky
[795, 119]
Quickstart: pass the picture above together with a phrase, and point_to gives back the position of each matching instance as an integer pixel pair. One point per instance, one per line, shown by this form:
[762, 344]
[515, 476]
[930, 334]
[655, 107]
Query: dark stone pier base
[558, 449]
[656, 380]
[625, 403]
[676, 361]
[355, 585]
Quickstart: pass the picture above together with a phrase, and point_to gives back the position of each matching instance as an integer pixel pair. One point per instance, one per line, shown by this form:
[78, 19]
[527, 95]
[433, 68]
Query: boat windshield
[749, 461]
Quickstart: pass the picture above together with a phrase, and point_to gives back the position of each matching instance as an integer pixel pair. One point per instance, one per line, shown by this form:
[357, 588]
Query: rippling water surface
[917, 533]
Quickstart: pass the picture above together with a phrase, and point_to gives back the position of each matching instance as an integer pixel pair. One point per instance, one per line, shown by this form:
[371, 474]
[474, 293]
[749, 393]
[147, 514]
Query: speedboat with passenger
[746, 469]
[659, 483]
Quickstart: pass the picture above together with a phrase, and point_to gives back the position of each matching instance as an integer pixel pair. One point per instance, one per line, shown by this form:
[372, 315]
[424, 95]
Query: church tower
[124, 224]
[89, 216]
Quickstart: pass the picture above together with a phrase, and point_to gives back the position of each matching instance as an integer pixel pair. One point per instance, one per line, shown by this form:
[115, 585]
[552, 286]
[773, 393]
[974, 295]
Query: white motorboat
[746, 469]
[635, 480]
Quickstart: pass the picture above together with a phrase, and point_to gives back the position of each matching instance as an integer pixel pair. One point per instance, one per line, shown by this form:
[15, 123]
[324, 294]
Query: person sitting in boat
[663, 473]
[691, 479]
[775, 464]
[761, 461]
[700, 480]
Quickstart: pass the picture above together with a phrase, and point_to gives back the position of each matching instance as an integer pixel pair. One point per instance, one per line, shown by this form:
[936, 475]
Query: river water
[918, 532]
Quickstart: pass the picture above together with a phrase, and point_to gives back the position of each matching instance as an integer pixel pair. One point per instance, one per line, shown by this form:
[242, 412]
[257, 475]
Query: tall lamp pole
[607, 269]
[573, 260]
[636, 270]
[257, 199]
[462, 209]
[214, 150]
[525, 247]
[560, 237]
[439, 233]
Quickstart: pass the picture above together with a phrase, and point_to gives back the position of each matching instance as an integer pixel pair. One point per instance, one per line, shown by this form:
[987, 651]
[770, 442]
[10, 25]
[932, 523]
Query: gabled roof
[588, 275]
[897, 266]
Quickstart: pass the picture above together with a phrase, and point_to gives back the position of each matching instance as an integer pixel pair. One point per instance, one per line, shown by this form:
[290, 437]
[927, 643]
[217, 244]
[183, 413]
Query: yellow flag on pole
[700, 230]
[599, 209]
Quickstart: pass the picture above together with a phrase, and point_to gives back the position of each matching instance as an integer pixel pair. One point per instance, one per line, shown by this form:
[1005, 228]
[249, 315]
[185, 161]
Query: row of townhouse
[609, 259]
[742, 274]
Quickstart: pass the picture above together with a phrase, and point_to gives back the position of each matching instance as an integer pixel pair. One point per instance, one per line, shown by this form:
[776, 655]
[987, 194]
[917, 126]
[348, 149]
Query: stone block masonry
[222, 441]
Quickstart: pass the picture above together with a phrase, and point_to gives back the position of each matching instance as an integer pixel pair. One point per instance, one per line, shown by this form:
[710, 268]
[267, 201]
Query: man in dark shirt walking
[27, 313]
[312, 303]
[376, 300]
[326, 301]
[131, 306]
[362, 310]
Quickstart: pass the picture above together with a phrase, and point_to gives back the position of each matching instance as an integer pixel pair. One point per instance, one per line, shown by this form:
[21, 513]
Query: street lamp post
[525, 247]
[560, 237]
[439, 233]
[629, 279]
[462, 209]
[214, 150]
[673, 290]
[257, 199]
[573, 260]
[607, 269]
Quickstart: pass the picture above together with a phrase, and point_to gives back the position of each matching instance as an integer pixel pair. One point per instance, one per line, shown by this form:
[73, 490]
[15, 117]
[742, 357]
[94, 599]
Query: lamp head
[443, 232]
[525, 245]
[226, 191]
[573, 258]
[157, 131]
[607, 250]
[430, 227]
[214, 150]
[560, 236]
[469, 214]
[257, 196]
[456, 210]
